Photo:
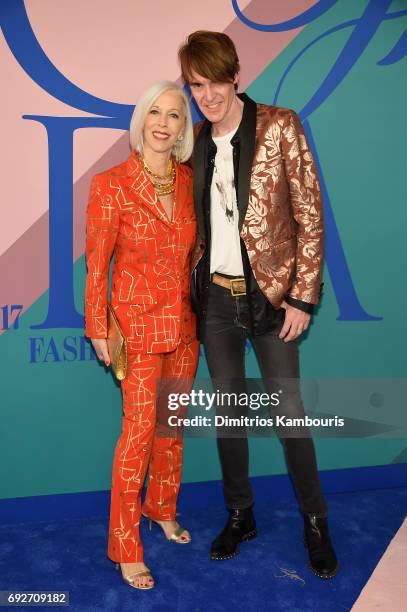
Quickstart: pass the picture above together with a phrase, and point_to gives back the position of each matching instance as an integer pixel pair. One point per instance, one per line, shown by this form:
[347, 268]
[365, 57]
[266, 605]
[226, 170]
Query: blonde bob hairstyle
[182, 150]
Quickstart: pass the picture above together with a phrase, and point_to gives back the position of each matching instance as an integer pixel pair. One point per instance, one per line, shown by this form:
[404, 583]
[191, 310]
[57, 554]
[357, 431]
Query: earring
[180, 137]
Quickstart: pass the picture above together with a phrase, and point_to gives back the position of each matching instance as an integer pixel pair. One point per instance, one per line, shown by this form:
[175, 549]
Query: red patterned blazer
[151, 270]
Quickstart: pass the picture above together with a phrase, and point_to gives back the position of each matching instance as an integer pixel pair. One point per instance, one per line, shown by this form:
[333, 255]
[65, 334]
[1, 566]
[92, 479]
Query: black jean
[225, 333]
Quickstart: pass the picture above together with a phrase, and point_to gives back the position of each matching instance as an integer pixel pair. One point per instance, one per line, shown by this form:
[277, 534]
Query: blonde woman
[142, 213]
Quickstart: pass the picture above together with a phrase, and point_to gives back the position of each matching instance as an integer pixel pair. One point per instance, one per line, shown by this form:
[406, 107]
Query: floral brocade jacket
[151, 269]
[279, 202]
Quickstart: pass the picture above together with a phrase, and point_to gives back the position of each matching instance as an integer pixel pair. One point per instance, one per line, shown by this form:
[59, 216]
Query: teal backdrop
[61, 410]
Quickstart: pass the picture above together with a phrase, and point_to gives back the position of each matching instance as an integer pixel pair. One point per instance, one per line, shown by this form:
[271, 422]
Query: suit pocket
[289, 242]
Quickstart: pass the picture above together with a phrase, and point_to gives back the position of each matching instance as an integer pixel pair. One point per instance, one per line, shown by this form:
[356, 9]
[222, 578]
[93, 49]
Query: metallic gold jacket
[279, 201]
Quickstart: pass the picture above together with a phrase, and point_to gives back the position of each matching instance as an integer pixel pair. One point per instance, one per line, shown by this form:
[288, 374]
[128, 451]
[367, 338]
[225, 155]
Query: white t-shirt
[226, 256]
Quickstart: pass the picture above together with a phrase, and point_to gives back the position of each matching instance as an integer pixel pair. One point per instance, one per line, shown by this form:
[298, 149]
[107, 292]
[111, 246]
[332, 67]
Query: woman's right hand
[100, 346]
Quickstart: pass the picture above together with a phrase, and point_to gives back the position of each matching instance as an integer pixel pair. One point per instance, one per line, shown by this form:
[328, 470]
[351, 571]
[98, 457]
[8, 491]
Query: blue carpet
[269, 574]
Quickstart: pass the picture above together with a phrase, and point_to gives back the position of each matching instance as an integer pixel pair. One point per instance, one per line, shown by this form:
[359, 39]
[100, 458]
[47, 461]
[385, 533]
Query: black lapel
[247, 136]
[200, 166]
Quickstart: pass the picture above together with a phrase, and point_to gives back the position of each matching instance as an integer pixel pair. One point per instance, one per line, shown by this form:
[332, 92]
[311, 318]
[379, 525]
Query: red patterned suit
[150, 295]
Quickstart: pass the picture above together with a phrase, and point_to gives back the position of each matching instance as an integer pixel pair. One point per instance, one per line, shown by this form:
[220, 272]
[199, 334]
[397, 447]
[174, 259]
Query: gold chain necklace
[163, 185]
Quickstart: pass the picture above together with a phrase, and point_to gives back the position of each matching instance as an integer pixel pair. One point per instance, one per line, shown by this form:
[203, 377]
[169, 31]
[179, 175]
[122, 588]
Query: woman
[142, 212]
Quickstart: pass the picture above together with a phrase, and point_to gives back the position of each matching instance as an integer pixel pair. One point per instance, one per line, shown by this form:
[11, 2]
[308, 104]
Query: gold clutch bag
[116, 345]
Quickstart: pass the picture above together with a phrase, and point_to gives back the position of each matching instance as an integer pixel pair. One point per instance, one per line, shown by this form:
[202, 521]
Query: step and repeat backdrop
[72, 73]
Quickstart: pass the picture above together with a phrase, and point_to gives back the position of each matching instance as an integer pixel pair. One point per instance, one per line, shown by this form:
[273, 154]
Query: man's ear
[236, 80]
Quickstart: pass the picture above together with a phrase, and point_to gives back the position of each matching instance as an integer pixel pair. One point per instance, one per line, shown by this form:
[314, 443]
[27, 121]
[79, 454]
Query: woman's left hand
[101, 350]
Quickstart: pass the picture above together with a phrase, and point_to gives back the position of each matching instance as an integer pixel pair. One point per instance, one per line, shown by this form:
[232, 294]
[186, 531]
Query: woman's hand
[100, 346]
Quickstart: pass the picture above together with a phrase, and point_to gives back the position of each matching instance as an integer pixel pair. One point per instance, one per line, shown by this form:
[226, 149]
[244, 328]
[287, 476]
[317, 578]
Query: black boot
[240, 527]
[322, 558]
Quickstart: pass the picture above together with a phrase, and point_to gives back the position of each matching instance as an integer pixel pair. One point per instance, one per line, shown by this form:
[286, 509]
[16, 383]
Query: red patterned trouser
[145, 444]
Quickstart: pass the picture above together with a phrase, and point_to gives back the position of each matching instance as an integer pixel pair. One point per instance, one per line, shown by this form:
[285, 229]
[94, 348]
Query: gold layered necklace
[163, 185]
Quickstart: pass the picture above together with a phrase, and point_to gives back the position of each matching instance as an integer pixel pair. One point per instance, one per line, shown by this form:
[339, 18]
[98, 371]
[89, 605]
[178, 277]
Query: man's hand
[100, 346]
[296, 322]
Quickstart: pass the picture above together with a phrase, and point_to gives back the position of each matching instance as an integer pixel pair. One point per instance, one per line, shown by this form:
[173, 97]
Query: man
[256, 273]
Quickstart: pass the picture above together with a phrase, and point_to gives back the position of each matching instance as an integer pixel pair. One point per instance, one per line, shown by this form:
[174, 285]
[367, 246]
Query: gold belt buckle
[236, 292]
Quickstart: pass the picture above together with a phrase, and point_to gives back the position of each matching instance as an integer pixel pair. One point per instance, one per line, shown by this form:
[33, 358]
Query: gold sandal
[175, 537]
[130, 577]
